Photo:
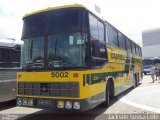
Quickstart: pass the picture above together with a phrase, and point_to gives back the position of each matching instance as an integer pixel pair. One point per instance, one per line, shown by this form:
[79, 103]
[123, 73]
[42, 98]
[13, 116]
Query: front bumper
[56, 104]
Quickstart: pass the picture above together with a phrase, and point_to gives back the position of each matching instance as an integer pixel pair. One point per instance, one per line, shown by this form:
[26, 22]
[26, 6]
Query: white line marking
[10, 80]
[156, 110]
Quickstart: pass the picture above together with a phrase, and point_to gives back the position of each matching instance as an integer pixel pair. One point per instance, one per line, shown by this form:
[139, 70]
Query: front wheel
[106, 102]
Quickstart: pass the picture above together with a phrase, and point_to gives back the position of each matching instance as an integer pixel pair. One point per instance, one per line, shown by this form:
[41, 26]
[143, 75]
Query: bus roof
[151, 58]
[72, 6]
[55, 8]
[8, 45]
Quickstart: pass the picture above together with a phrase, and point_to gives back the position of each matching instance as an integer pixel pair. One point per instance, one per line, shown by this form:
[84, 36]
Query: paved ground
[145, 99]
[146, 96]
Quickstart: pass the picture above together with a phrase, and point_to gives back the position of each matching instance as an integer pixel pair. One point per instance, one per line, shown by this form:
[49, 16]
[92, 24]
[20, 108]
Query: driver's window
[98, 46]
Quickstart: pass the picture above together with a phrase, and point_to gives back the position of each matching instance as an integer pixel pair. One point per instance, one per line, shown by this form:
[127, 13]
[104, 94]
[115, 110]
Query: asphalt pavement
[144, 99]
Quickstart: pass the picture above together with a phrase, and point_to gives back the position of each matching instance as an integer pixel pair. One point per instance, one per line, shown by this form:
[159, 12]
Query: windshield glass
[148, 62]
[55, 39]
[33, 53]
[54, 22]
[66, 51]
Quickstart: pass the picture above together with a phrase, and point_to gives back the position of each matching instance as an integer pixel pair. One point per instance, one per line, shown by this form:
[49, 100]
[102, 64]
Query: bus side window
[93, 26]
[112, 35]
[121, 38]
[0, 57]
[96, 28]
[137, 50]
[140, 52]
[95, 48]
[4, 57]
[133, 48]
[15, 58]
[100, 31]
[98, 46]
[128, 46]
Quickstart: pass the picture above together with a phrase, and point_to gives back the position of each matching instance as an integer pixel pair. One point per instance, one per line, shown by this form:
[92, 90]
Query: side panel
[120, 68]
[7, 85]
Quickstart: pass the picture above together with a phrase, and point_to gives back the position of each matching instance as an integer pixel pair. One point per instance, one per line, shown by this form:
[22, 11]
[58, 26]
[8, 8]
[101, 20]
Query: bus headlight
[30, 102]
[76, 105]
[25, 101]
[19, 101]
[68, 104]
[60, 104]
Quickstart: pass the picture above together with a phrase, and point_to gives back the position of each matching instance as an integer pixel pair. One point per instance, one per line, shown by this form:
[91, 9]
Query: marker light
[19, 75]
[75, 74]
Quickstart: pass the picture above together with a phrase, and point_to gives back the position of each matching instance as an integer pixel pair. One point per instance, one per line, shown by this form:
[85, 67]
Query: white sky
[130, 16]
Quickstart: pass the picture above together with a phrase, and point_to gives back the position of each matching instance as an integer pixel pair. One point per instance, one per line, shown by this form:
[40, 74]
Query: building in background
[151, 43]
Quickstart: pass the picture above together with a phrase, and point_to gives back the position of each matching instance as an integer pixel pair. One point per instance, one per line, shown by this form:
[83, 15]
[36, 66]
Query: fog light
[19, 101]
[60, 104]
[30, 102]
[25, 101]
[68, 104]
[76, 105]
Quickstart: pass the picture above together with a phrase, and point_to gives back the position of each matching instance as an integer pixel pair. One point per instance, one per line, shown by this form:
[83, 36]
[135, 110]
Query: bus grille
[57, 89]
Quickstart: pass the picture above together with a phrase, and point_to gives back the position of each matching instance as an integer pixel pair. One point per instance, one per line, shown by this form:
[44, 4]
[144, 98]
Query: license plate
[43, 102]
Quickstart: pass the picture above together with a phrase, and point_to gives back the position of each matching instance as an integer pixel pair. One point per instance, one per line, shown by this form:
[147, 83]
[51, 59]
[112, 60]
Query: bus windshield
[54, 39]
[33, 53]
[66, 51]
[148, 62]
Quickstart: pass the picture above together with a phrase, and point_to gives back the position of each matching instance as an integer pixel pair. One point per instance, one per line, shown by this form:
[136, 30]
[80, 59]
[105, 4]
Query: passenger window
[100, 31]
[99, 56]
[4, 57]
[137, 50]
[96, 28]
[133, 48]
[98, 46]
[93, 26]
[112, 35]
[128, 45]
[121, 39]
[106, 33]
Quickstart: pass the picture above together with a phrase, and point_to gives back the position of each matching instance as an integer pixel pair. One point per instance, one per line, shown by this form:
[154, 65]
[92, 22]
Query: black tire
[145, 73]
[136, 78]
[135, 81]
[106, 102]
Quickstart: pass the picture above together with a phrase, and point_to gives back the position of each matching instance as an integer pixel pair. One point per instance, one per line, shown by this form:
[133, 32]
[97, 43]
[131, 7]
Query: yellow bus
[74, 60]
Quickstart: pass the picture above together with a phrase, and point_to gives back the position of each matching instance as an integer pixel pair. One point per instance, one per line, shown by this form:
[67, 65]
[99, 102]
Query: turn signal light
[19, 75]
[75, 74]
